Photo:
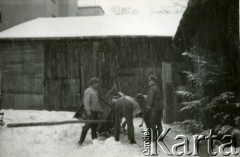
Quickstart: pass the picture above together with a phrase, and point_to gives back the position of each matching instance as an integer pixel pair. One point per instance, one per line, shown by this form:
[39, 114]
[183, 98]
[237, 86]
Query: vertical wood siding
[53, 74]
[22, 75]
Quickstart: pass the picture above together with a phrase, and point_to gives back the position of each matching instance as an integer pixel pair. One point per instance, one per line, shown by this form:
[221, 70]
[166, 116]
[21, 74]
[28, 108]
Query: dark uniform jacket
[154, 98]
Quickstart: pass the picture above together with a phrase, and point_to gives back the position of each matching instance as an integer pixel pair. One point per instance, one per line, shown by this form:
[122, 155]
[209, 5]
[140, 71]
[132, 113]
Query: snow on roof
[96, 26]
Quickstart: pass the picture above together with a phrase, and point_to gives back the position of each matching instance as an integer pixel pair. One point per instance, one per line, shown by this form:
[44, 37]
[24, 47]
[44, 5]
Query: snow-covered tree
[210, 103]
[118, 10]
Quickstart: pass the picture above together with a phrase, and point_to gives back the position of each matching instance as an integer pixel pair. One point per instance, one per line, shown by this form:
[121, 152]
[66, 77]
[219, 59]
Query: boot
[83, 135]
[132, 142]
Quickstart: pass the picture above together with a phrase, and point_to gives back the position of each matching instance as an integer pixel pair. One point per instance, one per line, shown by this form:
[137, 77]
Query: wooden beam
[14, 125]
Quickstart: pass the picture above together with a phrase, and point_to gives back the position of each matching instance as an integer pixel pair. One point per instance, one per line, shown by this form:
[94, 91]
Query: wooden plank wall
[129, 61]
[1, 79]
[61, 73]
[173, 79]
[134, 59]
[53, 75]
[69, 66]
[22, 75]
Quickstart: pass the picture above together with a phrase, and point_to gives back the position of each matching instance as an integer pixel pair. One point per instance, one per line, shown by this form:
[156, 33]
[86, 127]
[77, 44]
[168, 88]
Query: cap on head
[153, 78]
[139, 95]
[94, 80]
[120, 94]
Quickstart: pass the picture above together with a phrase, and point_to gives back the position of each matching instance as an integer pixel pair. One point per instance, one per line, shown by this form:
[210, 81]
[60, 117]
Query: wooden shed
[46, 63]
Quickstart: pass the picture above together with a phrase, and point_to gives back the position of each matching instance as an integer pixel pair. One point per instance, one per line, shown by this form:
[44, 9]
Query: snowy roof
[96, 26]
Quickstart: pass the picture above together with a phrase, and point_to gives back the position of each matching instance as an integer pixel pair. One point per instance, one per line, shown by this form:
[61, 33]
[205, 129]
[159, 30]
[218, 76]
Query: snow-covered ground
[61, 140]
[58, 141]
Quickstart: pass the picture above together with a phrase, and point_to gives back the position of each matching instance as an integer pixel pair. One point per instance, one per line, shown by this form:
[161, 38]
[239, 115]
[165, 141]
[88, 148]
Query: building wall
[68, 8]
[0, 85]
[53, 74]
[90, 11]
[233, 37]
[14, 12]
[17, 11]
[22, 75]
[69, 64]
[52, 8]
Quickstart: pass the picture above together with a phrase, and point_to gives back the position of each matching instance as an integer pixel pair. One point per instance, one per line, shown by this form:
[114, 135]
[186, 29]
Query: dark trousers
[87, 126]
[124, 110]
[153, 120]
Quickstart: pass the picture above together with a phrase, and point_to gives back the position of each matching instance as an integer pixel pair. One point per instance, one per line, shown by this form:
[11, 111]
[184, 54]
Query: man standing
[92, 108]
[154, 106]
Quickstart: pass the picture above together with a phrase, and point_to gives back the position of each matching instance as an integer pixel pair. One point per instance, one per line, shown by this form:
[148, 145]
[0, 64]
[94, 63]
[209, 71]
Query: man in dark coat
[92, 108]
[154, 106]
[127, 107]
